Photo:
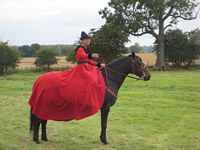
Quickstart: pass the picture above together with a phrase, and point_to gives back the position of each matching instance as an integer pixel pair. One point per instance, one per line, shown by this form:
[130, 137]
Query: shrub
[181, 48]
[45, 58]
[9, 58]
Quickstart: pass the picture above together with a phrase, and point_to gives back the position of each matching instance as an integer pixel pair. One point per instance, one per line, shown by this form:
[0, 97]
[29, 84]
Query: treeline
[10, 56]
[141, 49]
[181, 49]
[31, 50]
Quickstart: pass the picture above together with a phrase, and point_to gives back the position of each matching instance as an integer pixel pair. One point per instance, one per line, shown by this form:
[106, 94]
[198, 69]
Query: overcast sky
[58, 22]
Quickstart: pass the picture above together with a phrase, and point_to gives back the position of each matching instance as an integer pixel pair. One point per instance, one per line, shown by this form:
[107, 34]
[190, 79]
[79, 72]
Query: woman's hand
[102, 65]
[95, 55]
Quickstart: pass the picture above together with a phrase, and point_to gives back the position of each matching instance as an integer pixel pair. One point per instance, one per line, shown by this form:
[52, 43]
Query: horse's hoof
[45, 139]
[103, 140]
[37, 141]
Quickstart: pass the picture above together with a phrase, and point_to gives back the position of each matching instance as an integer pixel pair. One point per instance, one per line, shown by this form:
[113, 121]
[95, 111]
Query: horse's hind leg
[44, 133]
[37, 122]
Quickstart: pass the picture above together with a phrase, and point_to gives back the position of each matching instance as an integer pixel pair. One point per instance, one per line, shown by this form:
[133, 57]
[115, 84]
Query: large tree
[139, 17]
[109, 41]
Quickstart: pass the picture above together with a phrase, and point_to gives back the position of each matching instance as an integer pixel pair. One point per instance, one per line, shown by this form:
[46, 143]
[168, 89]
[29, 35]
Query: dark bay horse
[114, 75]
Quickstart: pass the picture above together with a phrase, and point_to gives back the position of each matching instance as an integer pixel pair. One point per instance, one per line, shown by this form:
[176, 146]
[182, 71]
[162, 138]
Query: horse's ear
[133, 54]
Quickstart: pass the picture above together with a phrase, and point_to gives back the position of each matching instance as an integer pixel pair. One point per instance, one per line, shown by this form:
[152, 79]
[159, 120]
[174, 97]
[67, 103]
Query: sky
[24, 22]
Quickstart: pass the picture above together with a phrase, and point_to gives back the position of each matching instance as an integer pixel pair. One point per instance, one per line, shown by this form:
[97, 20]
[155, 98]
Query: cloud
[48, 21]
[54, 22]
[26, 10]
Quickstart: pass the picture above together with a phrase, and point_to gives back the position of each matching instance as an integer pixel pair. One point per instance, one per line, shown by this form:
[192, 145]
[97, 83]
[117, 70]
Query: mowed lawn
[160, 114]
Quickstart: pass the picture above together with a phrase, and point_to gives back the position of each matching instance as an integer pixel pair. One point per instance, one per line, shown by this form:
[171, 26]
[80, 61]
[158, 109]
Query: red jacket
[83, 55]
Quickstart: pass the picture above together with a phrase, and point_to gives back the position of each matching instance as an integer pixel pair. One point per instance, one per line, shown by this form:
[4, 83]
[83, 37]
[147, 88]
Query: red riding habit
[72, 94]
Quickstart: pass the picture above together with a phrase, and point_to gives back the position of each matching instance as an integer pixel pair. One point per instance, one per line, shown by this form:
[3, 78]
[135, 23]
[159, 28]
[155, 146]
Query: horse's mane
[117, 61]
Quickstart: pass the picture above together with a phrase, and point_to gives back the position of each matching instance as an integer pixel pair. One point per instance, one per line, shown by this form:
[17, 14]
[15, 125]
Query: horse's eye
[139, 62]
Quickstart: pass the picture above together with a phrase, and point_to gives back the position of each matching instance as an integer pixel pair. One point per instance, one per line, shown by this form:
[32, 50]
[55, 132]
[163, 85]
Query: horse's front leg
[104, 115]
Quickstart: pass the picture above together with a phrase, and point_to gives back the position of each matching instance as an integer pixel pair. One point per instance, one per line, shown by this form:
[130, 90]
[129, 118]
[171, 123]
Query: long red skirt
[72, 94]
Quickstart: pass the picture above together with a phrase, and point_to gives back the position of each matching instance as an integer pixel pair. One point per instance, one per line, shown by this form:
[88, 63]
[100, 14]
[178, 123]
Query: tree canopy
[182, 48]
[29, 51]
[139, 17]
[109, 41]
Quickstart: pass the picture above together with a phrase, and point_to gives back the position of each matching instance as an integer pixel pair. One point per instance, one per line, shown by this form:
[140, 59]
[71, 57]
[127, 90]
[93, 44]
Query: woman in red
[72, 94]
[83, 55]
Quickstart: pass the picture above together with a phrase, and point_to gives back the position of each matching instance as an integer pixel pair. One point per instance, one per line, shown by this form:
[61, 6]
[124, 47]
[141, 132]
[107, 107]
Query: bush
[9, 58]
[71, 55]
[180, 48]
[70, 52]
[45, 58]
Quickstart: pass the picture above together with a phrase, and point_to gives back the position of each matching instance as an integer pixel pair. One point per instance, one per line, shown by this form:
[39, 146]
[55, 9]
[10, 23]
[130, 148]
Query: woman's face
[86, 42]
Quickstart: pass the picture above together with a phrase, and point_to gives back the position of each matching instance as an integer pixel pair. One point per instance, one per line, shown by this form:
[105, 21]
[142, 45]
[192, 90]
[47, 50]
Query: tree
[193, 46]
[70, 52]
[26, 51]
[194, 36]
[136, 48]
[45, 58]
[9, 58]
[139, 17]
[109, 42]
[29, 51]
[181, 48]
[175, 47]
[34, 48]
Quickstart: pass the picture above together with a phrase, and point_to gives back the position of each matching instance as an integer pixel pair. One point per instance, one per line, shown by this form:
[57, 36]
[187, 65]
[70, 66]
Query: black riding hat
[84, 36]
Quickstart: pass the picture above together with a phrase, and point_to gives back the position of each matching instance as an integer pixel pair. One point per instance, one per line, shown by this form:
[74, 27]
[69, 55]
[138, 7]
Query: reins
[107, 87]
[106, 74]
[136, 78]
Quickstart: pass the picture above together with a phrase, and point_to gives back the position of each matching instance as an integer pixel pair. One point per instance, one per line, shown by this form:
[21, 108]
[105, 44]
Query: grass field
[161, 114]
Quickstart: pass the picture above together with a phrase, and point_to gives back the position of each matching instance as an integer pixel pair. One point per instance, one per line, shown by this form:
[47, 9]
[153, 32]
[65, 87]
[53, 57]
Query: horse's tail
[31, 120]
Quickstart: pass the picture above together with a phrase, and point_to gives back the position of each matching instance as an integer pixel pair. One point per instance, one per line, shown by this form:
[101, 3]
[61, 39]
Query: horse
[114, 75]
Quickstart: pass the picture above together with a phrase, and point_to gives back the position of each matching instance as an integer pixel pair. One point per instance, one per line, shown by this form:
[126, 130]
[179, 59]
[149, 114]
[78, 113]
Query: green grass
[161, 114]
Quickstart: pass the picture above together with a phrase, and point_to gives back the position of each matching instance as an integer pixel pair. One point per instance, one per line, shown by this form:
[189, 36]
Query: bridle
[117, 72]
[142, 70]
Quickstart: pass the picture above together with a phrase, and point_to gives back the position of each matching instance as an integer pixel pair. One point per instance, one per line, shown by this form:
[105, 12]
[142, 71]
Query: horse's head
[138, 67]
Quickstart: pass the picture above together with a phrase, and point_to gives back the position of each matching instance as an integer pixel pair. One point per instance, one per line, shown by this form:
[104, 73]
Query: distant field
[148, 58]
[27, 63]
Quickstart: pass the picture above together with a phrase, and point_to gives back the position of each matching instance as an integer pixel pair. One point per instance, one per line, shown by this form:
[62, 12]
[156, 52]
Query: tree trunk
[160, 62]
[1, 71]
[48, 67]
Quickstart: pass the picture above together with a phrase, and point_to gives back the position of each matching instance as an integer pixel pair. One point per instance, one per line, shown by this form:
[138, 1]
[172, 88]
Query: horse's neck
[116, 79]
